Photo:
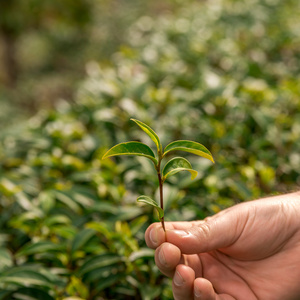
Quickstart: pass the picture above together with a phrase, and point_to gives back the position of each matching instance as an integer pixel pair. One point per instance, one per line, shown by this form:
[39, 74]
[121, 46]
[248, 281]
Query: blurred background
[224, 73]
[45, 46]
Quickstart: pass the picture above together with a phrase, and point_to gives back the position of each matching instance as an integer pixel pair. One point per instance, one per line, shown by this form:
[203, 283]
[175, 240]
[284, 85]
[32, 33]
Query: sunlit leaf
[189, 146]
[142, 253]
[73, 298]
[148, 200]
[154, 137]
[77, 287]
[176, 165]
[131, 148]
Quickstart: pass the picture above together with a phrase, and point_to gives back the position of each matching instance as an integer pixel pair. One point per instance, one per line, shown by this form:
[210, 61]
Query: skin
[249, 251]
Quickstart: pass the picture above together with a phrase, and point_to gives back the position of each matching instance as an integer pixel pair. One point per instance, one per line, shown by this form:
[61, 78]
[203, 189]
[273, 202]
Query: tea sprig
[172, 167]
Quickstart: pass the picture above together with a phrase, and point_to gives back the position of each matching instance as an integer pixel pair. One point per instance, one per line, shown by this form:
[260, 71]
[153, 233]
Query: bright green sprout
[172, 167]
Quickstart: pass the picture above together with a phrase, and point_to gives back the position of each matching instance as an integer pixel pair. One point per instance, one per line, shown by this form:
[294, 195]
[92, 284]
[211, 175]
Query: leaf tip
[194, 175]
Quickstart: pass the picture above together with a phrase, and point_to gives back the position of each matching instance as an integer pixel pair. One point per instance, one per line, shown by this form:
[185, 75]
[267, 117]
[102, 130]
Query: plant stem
[161, 194]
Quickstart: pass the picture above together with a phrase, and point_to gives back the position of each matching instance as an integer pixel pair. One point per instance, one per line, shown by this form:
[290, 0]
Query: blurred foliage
[44, 46]
[223, 73]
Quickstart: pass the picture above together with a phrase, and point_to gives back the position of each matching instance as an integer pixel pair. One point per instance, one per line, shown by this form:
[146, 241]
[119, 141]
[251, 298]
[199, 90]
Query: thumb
[217, 232]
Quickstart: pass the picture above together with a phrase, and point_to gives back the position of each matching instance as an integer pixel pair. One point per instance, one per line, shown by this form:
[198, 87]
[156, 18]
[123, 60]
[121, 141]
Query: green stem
[161, 194]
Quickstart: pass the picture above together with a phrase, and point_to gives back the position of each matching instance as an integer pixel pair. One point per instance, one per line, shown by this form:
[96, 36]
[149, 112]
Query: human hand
[249, 251]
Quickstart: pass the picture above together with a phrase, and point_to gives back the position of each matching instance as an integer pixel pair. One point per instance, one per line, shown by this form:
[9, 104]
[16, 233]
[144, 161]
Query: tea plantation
[223, 73]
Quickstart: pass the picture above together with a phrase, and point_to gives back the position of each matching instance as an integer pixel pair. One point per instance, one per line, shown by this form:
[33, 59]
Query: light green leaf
[176, 165]
[148, 200]
[141, 253]
[131, 148]
[154, 137]
[6, 259]
[189, 146]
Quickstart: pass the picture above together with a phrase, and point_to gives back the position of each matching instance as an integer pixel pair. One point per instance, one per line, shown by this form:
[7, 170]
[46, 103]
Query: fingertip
[203, 289]
[183, 279]
[155, 235]
[167, 257]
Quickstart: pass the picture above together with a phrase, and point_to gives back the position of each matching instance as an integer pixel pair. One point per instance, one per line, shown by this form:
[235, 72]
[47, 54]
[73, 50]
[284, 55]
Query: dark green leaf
[148, 200]
[131, 148]
[98, 262]
[191, 147]
[67, 200]
[38, 247]
[82, 238]
[109, 281]
[154, 137]
[32, 293]
[176, 165]
[25, 277]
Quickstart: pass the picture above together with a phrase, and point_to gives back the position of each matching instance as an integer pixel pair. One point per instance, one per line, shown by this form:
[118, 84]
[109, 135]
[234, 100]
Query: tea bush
[224, 74]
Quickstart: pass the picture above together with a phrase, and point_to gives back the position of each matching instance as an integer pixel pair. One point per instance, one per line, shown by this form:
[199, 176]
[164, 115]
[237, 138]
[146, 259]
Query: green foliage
[223, 73]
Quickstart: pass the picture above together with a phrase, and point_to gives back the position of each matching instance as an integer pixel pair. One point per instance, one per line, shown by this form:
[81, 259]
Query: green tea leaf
[108, 281]
[176, 165]
[131, 148]
[25, 276]
[6, 259]
[141, 253]
[98, 262]
[191, 147]
[31, 293]
[39, 247]
[154, 137]
[148, 200]
[82, 238]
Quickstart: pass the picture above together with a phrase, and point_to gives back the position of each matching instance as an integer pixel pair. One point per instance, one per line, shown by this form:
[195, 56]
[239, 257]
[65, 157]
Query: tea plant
[173, 166]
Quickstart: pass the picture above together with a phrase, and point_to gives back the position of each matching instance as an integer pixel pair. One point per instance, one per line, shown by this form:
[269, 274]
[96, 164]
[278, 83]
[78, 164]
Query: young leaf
[191, 147]
[148, 200]
[176, 165]
[131, 148]
[154, 137]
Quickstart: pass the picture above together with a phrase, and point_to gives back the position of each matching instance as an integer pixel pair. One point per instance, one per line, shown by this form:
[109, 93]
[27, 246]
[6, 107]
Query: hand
[249, 251]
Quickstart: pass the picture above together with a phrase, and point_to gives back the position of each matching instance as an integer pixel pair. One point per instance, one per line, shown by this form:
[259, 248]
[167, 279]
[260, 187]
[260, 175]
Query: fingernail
[161, 257]
[153, 236]
[178, 280]
[182, 233]
[197, 293]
